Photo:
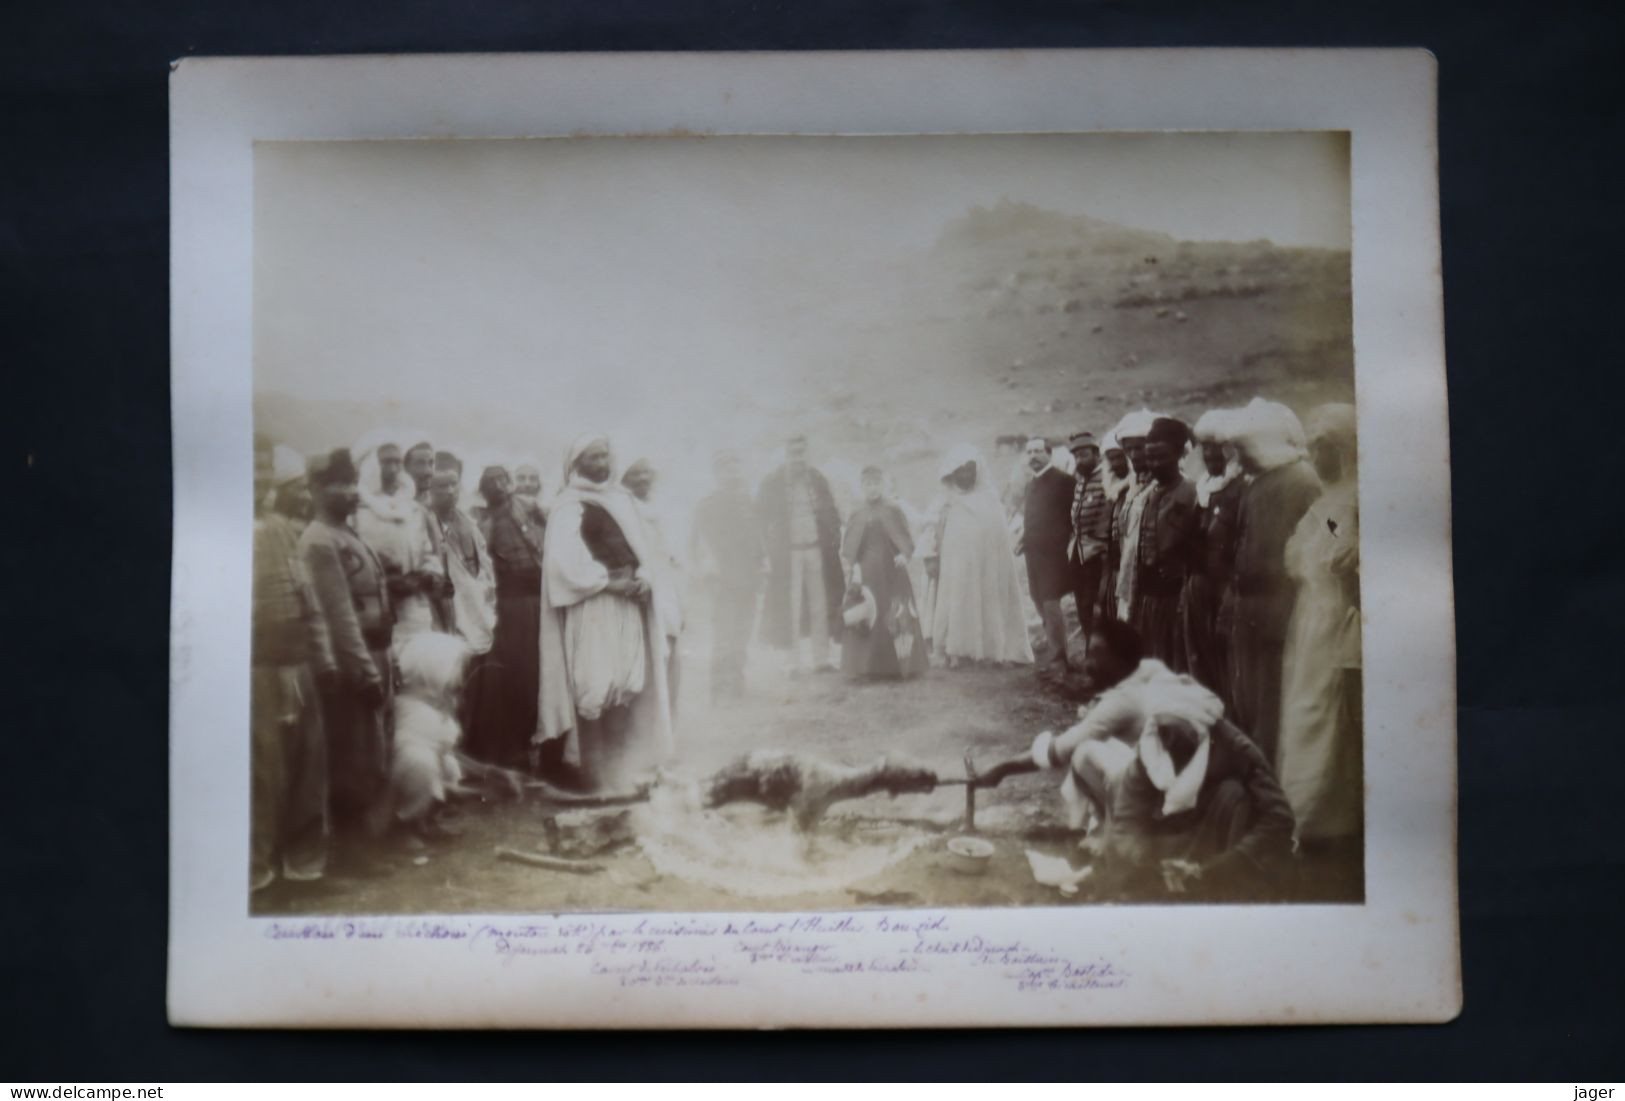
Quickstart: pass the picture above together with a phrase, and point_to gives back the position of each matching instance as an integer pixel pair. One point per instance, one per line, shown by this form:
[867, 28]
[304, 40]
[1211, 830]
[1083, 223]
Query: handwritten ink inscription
[705, 951]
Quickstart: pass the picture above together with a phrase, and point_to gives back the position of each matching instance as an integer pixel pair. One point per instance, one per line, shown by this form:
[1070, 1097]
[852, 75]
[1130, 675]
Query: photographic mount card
[890, 262]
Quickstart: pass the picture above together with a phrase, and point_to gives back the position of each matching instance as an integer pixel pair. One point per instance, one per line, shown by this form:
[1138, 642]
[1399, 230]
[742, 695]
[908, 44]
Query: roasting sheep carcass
[806, 787]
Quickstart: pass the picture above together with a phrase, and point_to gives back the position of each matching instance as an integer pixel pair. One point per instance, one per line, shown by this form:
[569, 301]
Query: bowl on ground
[969, 855]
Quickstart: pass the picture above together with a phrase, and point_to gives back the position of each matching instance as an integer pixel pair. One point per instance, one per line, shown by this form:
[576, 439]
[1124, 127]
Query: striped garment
[1091, 513]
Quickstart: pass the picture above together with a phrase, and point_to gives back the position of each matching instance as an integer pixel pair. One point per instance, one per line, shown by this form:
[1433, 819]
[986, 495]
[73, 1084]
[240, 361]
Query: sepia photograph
[692, 523]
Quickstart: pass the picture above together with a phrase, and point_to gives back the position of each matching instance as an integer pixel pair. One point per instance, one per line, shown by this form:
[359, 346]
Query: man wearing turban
[1218, 500]
[1320, 758]
[603, 652]
[1270, 442]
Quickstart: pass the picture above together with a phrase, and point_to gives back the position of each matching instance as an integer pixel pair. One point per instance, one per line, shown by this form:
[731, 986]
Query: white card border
[1395, 958]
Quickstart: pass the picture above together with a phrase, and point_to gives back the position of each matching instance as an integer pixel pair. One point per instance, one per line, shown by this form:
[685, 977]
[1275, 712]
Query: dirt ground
[876, 851]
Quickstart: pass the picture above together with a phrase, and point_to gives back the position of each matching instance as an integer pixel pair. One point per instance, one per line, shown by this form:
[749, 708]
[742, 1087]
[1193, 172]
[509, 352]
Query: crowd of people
[407, 648]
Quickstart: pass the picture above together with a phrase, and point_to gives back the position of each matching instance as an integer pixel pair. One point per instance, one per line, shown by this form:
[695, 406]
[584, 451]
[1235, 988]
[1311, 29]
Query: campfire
[751, 827]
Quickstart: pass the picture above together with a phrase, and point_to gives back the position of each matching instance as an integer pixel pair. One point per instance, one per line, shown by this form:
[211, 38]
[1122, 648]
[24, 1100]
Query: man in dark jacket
[353, 599]
[801, 530]
[1168, 544]
[726, 552]
[1046, 533]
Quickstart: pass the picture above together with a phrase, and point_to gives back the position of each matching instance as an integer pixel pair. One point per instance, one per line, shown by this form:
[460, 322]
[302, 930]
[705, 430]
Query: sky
[615, 281]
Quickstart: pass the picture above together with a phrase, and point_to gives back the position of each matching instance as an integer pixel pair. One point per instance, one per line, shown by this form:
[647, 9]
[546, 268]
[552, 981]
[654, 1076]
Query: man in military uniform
[355, 667]
[289, 756]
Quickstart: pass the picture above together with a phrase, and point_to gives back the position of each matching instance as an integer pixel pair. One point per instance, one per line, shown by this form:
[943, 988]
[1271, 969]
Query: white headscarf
[610, 494]
[983, 498]
[1336, 423]
[957, 456]
[577, 448]
[1177, 697]
[1217, 426]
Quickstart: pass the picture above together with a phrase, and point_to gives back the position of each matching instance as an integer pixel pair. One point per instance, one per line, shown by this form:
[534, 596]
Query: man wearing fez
[1091, 526]
[288, 756]
[1168, 546]
[353, 601]
[801, 530]
[1046, 530]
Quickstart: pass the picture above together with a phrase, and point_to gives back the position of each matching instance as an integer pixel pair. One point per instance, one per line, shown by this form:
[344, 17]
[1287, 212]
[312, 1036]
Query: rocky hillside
[1017, 320]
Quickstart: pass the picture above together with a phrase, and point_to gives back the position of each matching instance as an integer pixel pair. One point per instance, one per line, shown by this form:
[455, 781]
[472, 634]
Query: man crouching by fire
[1170, 793]
[426, 768]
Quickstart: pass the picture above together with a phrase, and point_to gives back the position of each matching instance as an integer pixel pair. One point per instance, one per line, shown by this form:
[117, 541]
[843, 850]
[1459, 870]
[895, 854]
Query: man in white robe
[639, 480]
[1320, 747]
[603, 652]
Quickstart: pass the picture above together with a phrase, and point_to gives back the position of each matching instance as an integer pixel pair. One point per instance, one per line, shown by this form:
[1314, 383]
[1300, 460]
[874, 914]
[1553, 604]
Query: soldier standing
[355, 668]
[289, 756]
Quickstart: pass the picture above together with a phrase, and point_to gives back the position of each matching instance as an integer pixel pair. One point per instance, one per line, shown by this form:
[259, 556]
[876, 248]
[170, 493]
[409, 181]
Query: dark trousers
[732, 614]
[1086, 591]
[289, 825]
[358, 741]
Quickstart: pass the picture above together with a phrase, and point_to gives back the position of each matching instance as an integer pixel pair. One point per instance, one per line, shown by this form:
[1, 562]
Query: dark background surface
[1530, 135]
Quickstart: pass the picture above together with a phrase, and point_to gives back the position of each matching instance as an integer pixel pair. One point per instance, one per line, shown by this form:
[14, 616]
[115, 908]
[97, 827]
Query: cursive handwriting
[670, 951]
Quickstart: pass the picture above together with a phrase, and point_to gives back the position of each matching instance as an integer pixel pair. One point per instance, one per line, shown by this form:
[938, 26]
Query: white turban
[1334, 422]
[1216, 425]
[1135, 424]
[1269, 434]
